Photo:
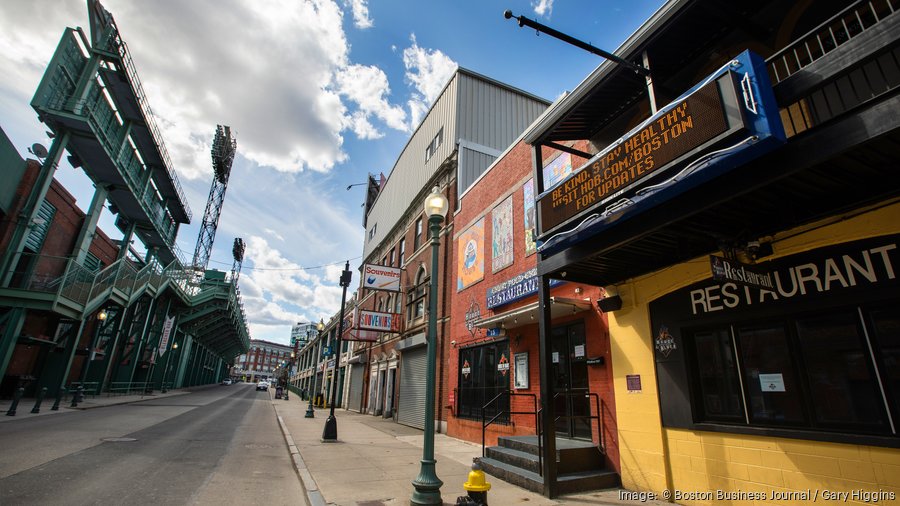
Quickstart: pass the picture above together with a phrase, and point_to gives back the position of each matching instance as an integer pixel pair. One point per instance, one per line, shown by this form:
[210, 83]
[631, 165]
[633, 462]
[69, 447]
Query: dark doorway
[570, 381]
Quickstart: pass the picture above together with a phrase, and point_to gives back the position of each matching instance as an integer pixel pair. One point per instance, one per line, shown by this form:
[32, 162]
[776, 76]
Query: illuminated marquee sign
[380, 322]
[660, 142]
[723, 122]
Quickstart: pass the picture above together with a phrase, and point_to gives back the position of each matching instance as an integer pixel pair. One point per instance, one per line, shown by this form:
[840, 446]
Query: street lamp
[330, 431]
[290, 371]
[427, 485]
[310, 412]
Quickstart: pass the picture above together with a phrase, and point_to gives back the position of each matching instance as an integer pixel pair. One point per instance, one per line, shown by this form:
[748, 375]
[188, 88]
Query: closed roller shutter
[413, 372]
[354, 400]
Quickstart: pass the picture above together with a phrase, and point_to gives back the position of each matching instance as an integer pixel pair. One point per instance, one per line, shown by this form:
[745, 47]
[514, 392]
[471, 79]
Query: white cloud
[360, 11]
[428, 70]
[367, 86]
[542, 7]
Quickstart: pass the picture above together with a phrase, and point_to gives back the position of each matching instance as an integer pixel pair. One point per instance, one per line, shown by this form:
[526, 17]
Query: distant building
[262, 359]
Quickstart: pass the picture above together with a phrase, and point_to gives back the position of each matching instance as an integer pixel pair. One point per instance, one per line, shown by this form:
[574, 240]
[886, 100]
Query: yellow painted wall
[657, 459]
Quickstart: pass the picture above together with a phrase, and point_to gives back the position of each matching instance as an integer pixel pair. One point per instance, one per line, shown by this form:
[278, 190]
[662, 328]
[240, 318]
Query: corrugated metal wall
[411, 172]
[473, 110]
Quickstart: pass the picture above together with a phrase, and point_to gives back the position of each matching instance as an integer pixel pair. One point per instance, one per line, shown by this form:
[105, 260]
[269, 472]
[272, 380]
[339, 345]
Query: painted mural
[470, 256]
[502, 235]
[530, 222]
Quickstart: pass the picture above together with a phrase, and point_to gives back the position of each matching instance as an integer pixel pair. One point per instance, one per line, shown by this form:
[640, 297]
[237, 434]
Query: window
[417, 239]
[809, 371]
[415, 305]
[402, 252]
[480, 380]
[435, 143]
[372, 231]
[392, 257]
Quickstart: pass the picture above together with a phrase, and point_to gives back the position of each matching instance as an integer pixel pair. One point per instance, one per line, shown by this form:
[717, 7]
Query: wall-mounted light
[609, 304]
[102, 315]
[578, 290]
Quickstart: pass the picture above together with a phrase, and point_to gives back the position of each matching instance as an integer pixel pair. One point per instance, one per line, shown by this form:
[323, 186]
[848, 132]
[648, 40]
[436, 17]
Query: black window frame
[484, 384]
[814, 428]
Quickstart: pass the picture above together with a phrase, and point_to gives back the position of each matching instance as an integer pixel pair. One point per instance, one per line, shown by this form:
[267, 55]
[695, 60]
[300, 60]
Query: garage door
[413, 371]
[356, 386]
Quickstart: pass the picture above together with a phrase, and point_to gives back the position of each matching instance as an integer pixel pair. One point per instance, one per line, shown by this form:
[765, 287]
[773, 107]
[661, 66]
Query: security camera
[453, 343]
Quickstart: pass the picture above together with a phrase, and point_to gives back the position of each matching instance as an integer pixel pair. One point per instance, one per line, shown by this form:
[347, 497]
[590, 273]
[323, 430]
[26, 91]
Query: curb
[313, 495]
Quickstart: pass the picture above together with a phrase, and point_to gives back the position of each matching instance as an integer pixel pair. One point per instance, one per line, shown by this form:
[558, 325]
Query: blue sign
[326, 351]
[494, 332]
[723, 122]
[515, 288]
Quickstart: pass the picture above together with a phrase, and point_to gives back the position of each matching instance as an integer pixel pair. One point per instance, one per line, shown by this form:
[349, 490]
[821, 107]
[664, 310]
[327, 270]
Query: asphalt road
[217, 445]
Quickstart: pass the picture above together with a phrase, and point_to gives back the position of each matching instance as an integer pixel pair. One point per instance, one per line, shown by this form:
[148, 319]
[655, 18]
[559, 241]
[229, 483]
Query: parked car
[226, 381]
[262, 385]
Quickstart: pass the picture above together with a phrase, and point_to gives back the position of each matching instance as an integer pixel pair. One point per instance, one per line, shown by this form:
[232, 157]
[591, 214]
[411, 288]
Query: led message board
[677, 132]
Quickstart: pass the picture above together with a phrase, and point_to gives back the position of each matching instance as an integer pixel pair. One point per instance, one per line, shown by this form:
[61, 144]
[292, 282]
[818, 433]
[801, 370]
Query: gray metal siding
[471, 165]
[411, 173]
[492, 116]
[413, 373]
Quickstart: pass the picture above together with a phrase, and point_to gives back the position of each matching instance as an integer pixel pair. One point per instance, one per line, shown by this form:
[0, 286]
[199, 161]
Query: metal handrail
[823, 39]
[486, 423]
[598, 402]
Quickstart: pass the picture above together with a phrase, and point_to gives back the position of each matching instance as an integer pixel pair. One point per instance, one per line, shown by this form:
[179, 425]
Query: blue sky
[319, 94]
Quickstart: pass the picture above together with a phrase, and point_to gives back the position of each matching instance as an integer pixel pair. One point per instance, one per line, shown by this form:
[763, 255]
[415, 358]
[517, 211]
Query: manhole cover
[118, 439]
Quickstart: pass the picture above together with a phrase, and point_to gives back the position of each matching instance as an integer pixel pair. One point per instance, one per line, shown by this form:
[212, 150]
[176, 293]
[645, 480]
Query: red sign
[381, 322]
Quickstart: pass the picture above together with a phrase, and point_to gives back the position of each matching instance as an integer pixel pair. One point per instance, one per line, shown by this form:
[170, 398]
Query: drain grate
[118, 439]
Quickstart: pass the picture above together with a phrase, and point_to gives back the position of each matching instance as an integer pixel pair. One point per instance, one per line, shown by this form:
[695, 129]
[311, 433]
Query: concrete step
[568, 483]
[517, 458]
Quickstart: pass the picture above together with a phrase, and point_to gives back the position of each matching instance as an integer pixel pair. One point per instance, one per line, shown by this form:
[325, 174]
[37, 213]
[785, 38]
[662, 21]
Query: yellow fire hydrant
[476, 486]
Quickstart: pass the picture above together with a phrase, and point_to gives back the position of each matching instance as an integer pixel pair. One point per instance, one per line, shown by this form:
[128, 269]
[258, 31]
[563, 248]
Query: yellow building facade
[705, 467]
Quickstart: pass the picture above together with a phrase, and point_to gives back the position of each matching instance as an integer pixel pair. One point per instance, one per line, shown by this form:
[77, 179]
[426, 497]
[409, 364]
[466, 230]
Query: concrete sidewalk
[375, 460]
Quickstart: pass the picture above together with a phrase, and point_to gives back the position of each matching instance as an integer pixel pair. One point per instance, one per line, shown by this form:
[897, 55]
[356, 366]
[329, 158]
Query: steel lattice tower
[223, 149]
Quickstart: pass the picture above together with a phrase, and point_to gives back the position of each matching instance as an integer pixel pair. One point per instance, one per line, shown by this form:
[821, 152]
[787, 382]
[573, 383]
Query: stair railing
[485, 423]
[598, 404]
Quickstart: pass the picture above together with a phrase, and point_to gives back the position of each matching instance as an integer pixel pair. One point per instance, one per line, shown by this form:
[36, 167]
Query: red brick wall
[59, 242]
[505, 178]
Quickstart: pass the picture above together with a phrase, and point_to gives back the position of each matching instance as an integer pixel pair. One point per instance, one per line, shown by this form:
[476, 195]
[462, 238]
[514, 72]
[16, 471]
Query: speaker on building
[608, 304]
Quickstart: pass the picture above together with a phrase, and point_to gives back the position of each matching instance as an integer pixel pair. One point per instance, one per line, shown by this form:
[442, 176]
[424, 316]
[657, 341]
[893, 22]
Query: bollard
[476, 486]
[77, 397]
[15, 403]
[39, 400]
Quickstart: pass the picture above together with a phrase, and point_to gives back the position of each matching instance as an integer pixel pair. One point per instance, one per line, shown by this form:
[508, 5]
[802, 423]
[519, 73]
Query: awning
[559, 306]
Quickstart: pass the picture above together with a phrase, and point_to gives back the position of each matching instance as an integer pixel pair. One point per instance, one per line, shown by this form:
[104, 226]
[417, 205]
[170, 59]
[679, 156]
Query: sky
[318, 94]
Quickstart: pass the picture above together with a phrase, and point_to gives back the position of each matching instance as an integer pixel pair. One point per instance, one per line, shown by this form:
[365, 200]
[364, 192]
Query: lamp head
[102, 315]
[321, 325]
[436, 204]
[174, 346]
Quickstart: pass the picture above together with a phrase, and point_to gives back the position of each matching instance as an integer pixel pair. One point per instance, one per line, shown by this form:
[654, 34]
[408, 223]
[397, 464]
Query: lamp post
[310, 412]
[330, 432]
[427, 485]
[290, 371]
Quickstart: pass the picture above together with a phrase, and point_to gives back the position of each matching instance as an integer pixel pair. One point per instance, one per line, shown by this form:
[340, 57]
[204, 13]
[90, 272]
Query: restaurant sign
[515, 288]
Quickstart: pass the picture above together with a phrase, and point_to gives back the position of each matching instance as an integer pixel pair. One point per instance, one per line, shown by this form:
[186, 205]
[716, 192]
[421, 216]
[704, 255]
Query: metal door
[413, 373]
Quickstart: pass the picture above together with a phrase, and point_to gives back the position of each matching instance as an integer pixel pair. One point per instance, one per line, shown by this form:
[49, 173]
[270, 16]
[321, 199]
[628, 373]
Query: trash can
[278, 392]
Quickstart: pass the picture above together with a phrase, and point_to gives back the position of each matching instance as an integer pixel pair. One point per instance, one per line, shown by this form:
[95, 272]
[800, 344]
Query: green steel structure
[123, 319]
